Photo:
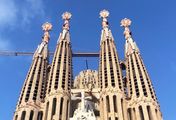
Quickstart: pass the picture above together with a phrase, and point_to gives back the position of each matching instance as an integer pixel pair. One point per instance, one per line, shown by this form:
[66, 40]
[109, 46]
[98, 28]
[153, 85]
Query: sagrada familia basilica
[50, 93]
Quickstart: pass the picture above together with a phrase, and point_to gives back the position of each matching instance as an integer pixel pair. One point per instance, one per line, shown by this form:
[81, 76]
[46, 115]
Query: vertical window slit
[115, 103]
[31, 115]
[149, 113]
[61, 104]
[53, 108]
[23, 115]
[16, 117]
[107, 103]
[40, 115]
[141, 113]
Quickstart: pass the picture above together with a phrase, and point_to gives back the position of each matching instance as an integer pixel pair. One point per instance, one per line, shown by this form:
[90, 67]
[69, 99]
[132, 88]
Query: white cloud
[32, 9]
[8, 13]
[13, 13]
[17, 15]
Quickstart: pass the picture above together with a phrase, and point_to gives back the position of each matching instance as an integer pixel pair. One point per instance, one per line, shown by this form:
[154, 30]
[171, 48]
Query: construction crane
[75, 54]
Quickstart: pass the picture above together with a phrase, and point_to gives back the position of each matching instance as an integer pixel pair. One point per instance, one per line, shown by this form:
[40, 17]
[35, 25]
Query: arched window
[61, 104]
[47, 107]
[53, 107]
[149, 113]
[23, 115]
[16, 117]
[141, 113]
[40, 115]
[31, 115]
[115, 103]
[107, 103]
[129, 114]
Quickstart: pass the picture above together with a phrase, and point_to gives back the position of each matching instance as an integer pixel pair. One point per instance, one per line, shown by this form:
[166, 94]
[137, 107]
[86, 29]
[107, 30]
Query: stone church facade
[118, 90]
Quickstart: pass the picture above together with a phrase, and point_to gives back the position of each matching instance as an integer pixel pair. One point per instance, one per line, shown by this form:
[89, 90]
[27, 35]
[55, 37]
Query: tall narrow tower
[110, 76]
[33, 91]
[59, 84]
[48, 93]
[142, 103]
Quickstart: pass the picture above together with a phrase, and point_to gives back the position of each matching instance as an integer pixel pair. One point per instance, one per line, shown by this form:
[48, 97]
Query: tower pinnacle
[104, 14]
[46, 28]
[126, 24]
[66, 26]
[130, 45]
[34, 89]
[110, 75]
[139, 85]
[66, 16]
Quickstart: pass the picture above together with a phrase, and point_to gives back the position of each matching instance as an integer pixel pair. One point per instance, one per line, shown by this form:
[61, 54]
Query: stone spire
[102, 95]
[66, 26]
[104, 14]
[33, 91]
[59, 84]
[130, 45]
[110, 75]
[46, 28]
[140, 89]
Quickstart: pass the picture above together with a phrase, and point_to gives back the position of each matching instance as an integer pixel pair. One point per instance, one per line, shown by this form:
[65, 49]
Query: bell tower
[142, 103]
[110, 75]
[33, 91]
[60, 77]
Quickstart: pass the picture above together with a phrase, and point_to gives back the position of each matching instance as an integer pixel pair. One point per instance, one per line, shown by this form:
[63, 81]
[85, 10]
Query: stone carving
[85, 110]
[86, 80]
[104, 14]
[46, 28]
[66, 16]
[126, 23]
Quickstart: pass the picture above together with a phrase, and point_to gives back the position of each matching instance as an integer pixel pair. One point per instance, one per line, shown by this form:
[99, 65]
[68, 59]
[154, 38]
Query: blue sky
[153, 28]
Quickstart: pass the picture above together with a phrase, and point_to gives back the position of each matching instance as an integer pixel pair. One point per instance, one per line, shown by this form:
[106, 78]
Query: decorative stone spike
[104, 14]
[126, 24]
[46, 28]
[66, 26]
[66, 16]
